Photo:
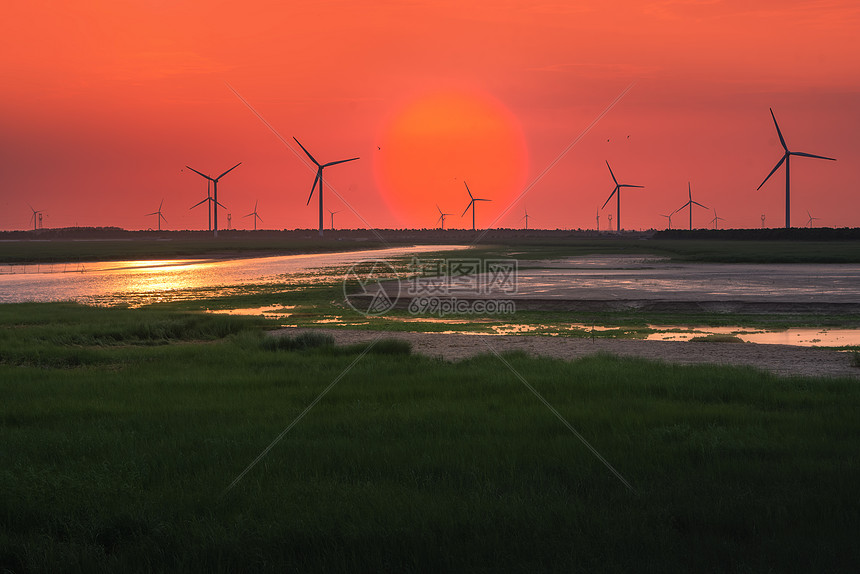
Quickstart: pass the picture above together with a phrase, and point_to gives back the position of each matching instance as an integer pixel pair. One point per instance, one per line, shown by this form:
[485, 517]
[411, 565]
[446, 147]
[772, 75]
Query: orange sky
[104, 103]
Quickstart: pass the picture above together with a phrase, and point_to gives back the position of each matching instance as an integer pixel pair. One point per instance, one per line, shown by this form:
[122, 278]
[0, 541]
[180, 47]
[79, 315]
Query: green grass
[120, 461]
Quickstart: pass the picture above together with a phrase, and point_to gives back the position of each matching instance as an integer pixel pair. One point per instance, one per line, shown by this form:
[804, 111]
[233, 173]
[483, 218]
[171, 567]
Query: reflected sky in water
[142, 282]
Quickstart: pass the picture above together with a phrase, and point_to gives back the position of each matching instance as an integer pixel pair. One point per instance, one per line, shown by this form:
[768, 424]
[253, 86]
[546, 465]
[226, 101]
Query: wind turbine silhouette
[598, 220]
[158, 213]
[214, 181]
[669, 217]
[208, 201]
[255, 214]
[762, 220]
[690, 203]
[526, 217]
[786, 158]
[319, 177]
[332, 217]
[441, 216]
[472, 204]
[617, 193]
[36, 217]
[716, 219]
[811, 219]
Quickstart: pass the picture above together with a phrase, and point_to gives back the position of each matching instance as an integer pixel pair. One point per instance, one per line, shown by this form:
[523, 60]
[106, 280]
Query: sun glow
[438, 141]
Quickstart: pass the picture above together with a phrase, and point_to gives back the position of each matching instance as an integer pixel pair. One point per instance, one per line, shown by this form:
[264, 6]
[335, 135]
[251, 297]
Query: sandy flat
[779, 359]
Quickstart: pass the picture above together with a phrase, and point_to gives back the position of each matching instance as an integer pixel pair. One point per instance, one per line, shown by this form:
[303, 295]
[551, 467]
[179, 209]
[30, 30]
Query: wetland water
[142, 282]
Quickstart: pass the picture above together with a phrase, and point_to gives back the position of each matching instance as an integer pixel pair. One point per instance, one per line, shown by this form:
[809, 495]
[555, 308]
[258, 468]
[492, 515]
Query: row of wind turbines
[213, 203]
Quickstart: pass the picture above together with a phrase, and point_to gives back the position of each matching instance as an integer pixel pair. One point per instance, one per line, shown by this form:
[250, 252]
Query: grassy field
[121, 429]
[542, 245]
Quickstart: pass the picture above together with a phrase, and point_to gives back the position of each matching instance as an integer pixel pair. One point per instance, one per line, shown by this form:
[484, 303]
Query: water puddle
[798, 336]
[270, 312]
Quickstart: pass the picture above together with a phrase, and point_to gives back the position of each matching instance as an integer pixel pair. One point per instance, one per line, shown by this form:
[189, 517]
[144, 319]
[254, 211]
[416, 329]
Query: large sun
[437, 142]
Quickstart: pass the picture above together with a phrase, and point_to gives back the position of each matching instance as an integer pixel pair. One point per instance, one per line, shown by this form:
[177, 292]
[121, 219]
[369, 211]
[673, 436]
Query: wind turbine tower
[158, 213]
[319, 178]
[214, 181]
[786, 158]
[472, 204]
[690, 203]
[617, 193]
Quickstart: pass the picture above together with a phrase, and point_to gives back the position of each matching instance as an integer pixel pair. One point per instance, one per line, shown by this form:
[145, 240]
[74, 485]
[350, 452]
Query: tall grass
[409, 463]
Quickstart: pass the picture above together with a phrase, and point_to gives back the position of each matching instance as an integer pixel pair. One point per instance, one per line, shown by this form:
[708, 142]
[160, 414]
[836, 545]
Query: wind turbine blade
[307, 152]
[249, 215]
[700, 205]
[199, 173]
[228, 171]
[153, 213]
[258, 217]
[314, 186]
[160, 204]
[219, 204]
[610, 196]
[467, 207]
[800, 153]
[162, 217]
[689, 192]
[479, 199]
[628, 185]
[779, 133]
[339, 161]
[610, 173]
[771, 171]
[468, 190]
[199, 202]
[680, 208]
[439, 210]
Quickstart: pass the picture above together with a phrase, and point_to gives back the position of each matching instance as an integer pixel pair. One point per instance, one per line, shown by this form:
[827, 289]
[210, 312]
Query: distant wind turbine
[208, 201]
[158, 213]
[441, 216]
[786, 158]
[669, 217]
[36, 217]
[319, 178]
[332, 217]
[617, 193]
[811, 219]
[472, 204]
[214, 181]
[598, 220]
[255, 214]
[690, 203]
[762, 220]
[716, 219]
[526, 217]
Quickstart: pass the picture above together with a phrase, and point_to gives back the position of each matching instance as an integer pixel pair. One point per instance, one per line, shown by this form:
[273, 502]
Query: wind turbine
[811, 219]
[617, 193]
[209, 201]
[690, 203]
[472, 204]
[526, 217]
[441, 216]
[36, 217]
[762, 220]
[785, 158]
[716, 219]
[598, 220]
[214, 192]
[669, 217]
[332, 217]
[319, 177]
[158, 213]
[256, 216]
